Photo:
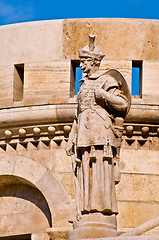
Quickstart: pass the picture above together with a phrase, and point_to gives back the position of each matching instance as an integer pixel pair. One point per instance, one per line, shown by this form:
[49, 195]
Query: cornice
[62, 113]
[143, 113]
[35, 115]
[48, 126]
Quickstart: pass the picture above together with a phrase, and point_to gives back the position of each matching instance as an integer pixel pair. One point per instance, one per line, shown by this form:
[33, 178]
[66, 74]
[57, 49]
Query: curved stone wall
[23, 207]
[45, 49]
[37, 104]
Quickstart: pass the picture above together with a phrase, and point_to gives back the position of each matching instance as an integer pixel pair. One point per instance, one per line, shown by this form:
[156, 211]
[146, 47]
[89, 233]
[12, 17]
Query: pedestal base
[94, 225]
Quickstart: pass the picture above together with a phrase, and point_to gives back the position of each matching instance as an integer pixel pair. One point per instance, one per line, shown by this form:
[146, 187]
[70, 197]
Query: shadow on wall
[23, 204]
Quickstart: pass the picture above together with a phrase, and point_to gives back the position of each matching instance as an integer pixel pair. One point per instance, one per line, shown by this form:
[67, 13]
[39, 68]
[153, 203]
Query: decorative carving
[34, 137]
[58, 132]
[8, 133]
[51, 130]
[129, 129]
[30, 145]
[145, 130]
[130, 143]
[137, 129]
[36, 131]
[67, 129]
[94, 143]
[22, 132]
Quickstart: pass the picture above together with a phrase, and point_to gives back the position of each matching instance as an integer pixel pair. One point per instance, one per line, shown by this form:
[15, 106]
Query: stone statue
[94, 141]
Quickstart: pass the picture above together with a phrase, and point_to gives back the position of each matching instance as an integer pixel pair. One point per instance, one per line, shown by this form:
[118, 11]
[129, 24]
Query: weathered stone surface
[142, 160]
[62, 162]
[48, 81]
[54, 191]
[144, 228]
[7, 164]
[60, 233]
[62, 216]
[40, 236]
[134, 213]
[23, 210]
[6, 81]
[65, 112]
[118, 38]
[42, 156]
[67, 181]
[27, 168]
[33, 114]
[150, 75]
[154, 231]
[137, 187]
[32, 222]
[31, 42]
[143, 113]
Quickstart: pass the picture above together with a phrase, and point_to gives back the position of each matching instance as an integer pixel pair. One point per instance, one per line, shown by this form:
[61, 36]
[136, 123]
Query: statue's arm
[113, 97]
[72, 139]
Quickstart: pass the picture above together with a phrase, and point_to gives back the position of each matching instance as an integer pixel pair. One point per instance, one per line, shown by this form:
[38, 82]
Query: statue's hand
[100, 94]
[69, 149]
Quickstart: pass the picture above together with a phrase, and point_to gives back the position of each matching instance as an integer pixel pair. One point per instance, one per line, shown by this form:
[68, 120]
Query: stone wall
[37, 109]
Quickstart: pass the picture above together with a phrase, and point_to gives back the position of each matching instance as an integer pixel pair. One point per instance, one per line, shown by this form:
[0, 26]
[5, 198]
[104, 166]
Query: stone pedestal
[94, 225]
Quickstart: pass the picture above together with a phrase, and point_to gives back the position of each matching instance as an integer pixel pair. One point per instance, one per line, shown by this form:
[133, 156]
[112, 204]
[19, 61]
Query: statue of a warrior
[94, 141]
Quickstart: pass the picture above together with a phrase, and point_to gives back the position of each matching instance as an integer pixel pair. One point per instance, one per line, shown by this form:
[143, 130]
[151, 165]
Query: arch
[11, 186]
[33, 173]
[23, 207]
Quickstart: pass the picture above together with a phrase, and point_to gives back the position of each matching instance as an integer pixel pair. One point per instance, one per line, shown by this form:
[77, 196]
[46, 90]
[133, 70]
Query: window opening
[136, 84]
[76, 75]
[18, 84]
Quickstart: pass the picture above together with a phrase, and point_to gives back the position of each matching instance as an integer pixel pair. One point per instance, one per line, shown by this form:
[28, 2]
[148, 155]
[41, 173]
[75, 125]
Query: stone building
[37, 103]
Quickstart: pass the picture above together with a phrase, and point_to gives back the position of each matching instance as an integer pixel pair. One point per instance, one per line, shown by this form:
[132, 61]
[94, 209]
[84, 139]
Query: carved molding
[33, 137]
[48, 136]
[45, 114]
[47, 125]
[36, 131]
[138, 129]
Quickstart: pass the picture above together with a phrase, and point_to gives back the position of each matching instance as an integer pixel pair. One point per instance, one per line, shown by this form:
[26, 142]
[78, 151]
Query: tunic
[95, 187]
[95, 123]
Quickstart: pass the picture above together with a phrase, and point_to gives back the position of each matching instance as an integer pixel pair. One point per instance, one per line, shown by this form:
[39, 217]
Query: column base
[94, 225]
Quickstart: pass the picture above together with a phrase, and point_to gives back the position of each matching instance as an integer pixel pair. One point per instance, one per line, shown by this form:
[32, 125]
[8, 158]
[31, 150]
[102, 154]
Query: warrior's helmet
[90, 50]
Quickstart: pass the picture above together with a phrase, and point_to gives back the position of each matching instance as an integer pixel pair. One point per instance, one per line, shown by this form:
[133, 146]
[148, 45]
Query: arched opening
[24, 209]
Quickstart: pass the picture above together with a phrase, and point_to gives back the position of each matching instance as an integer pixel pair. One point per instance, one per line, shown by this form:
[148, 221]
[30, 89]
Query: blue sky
[14, 11]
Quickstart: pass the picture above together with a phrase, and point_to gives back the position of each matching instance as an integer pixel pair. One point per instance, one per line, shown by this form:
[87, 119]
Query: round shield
[123, 86]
